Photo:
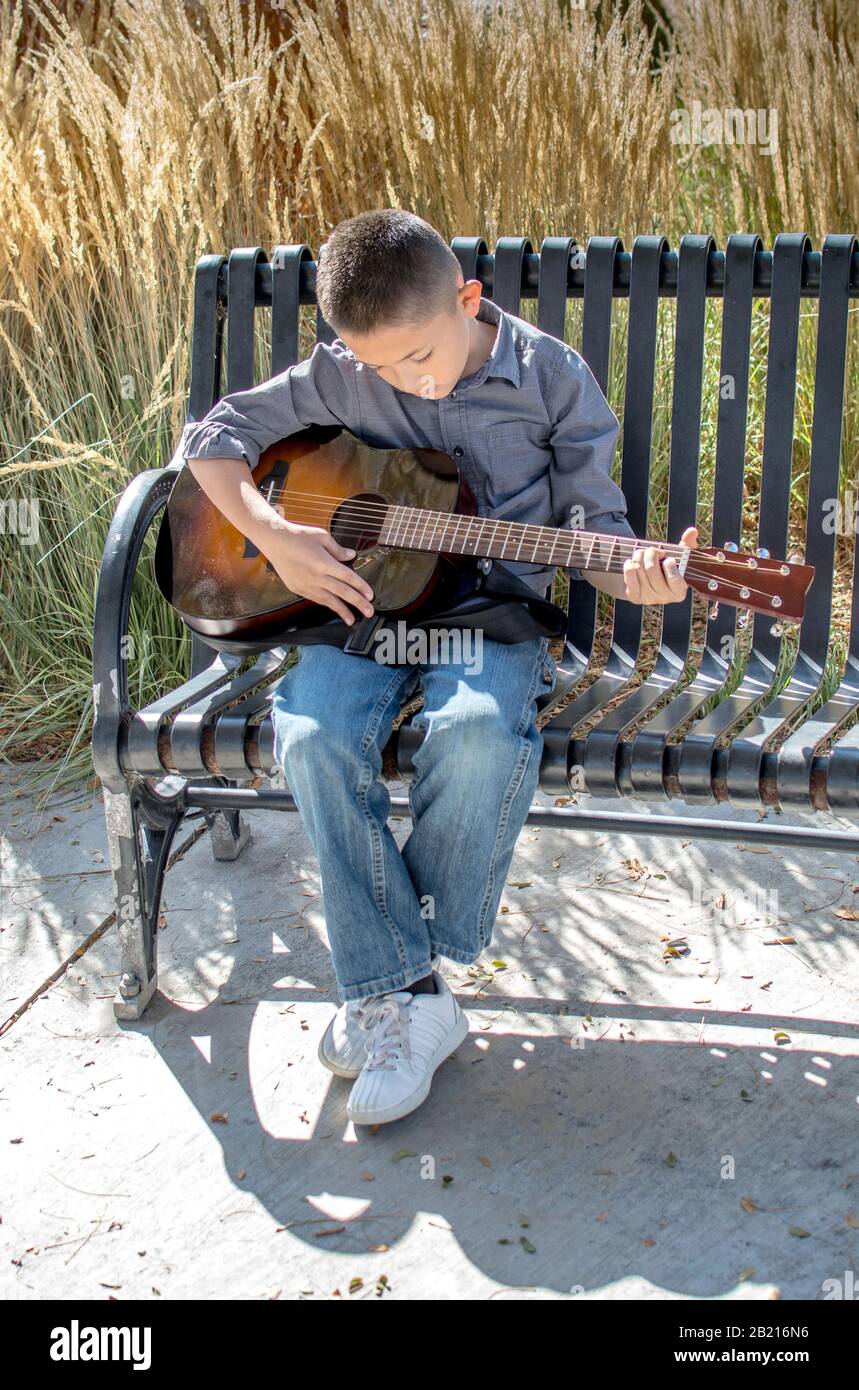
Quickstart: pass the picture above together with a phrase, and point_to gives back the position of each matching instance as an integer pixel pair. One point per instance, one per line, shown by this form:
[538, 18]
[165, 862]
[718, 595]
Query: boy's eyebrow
[399, 359]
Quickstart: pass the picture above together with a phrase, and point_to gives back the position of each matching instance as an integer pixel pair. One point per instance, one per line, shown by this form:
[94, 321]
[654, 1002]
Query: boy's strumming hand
[309, 561]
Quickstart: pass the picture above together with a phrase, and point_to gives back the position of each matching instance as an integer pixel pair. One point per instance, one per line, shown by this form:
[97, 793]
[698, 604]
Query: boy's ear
[469, 294]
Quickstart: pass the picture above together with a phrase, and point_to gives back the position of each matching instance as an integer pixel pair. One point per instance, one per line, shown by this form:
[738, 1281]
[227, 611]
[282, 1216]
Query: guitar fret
[441, 522]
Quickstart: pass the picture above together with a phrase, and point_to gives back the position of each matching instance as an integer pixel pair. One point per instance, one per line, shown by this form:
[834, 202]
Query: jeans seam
[379, 883]
[512, 788]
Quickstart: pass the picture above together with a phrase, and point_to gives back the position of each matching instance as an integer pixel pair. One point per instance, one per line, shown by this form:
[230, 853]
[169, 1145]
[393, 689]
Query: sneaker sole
[410, 1103]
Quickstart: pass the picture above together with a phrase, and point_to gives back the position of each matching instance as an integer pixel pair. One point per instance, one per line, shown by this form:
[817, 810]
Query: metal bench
[197, 749]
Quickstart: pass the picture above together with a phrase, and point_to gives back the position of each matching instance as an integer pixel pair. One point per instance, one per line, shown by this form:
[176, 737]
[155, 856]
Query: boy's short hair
[385, 268]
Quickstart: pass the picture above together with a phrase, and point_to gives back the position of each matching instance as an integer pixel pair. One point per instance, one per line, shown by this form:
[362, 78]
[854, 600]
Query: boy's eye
[416, 360]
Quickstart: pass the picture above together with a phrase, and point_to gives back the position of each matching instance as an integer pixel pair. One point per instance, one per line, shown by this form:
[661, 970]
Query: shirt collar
[502, 360]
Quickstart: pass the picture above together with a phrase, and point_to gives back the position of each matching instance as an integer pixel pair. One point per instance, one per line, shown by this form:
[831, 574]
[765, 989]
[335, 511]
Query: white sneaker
[408, 1037]
[342, 1046]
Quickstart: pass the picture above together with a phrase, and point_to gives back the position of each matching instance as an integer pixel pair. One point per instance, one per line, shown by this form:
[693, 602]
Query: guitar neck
[412, 528]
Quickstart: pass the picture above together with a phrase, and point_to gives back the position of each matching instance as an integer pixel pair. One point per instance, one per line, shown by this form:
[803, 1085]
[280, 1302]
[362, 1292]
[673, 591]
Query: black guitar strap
[498, 601]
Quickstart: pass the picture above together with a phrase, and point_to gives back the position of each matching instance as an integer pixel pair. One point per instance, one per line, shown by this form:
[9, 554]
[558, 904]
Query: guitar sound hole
[357, 522]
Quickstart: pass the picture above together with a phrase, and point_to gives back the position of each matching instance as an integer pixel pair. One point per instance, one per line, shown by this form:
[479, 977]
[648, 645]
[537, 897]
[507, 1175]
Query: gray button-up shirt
[531, 430]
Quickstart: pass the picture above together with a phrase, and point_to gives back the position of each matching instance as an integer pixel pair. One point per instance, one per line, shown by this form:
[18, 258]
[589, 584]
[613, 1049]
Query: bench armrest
[137, 508]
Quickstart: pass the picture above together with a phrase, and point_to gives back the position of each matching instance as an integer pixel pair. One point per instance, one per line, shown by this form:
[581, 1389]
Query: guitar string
[357, 511]
[352, 506]
[690, 573]
[353, 509]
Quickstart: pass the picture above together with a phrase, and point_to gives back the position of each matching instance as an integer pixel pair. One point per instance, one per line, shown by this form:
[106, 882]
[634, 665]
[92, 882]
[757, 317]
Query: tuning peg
[712, 609]
[730, 545]
[762, 554]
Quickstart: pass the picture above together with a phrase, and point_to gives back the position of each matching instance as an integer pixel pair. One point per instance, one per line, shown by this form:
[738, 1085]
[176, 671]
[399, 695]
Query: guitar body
[223, 586]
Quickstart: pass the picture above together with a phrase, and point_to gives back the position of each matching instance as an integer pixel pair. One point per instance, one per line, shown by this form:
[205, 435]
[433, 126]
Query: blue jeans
[388, 910]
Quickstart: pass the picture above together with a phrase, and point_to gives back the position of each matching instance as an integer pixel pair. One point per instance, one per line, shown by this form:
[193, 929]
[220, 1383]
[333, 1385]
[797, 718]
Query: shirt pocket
[515, 456]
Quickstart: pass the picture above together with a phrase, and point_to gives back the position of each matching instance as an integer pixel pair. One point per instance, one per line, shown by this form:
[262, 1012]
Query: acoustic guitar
[412, 521]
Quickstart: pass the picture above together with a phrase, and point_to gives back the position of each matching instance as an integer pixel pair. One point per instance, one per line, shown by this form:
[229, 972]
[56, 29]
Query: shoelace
[386, 1020]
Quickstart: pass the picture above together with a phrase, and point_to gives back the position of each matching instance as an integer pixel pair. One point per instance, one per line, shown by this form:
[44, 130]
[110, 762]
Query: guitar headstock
[757, 582]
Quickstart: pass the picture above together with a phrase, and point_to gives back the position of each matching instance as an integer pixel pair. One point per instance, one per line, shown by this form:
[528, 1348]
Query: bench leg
[139, 835]
[229, 832]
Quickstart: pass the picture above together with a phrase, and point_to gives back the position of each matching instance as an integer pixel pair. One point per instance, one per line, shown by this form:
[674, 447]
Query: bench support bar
[574, 818]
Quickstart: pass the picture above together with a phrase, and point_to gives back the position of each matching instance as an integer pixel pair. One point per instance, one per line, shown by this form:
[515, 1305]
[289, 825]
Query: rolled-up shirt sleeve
[317, 391]
[583, 438]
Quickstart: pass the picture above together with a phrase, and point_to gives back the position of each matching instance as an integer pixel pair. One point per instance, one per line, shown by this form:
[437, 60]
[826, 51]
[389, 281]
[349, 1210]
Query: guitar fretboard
[413, 528]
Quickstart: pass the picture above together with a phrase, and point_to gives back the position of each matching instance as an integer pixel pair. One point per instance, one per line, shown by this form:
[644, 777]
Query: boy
[421, 360]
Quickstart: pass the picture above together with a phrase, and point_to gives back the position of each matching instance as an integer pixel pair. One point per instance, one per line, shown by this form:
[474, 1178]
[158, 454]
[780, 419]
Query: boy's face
[425, 359]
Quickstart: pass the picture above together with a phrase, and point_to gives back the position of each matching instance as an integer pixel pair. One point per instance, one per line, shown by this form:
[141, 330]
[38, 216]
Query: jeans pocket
[549, 672]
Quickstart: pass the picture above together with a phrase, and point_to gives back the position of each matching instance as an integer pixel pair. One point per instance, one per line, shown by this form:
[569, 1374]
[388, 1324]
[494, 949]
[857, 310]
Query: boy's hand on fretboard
[649, 579]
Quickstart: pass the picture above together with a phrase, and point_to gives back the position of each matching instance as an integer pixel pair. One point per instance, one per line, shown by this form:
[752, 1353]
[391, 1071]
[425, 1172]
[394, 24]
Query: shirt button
[457, 453]
[453, 395]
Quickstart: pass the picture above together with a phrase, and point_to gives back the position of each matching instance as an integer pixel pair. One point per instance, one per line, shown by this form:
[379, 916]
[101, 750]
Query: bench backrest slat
[686, 417]
[826, 434]
[782, 356]
[287, 263]
[732, 416]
